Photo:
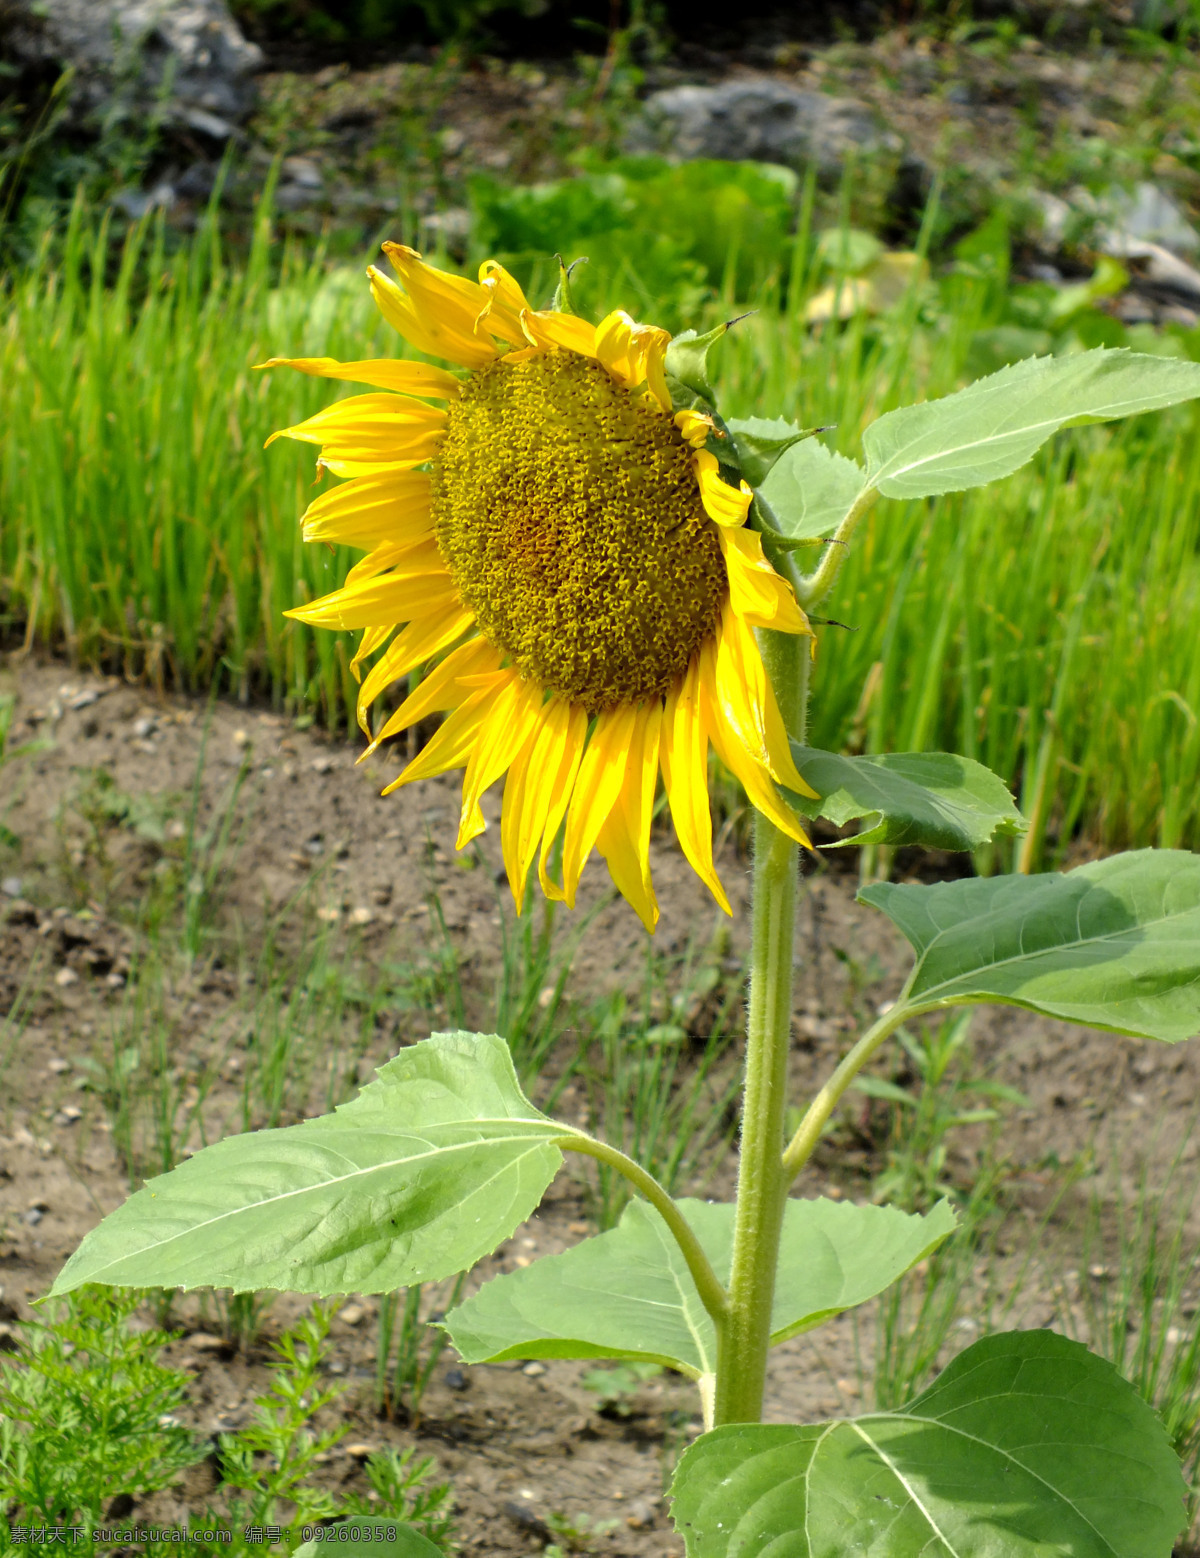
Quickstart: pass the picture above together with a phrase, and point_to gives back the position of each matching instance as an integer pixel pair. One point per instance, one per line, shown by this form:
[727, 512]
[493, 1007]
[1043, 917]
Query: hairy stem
[744, 1340]
[812, 589]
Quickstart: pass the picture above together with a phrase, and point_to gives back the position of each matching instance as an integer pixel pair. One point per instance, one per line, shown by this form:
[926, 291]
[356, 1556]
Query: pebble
[456, 1380]
[11, 887]
[359, 1452]
[352, 1314]
[65, 977]
[203, 1341]
[534, 1370]
[58, 1065]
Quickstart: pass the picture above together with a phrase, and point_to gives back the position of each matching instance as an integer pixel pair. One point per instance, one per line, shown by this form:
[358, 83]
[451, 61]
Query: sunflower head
[569, 561]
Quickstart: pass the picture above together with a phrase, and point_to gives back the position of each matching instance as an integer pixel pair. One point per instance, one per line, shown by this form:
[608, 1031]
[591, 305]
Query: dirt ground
[518, 1442]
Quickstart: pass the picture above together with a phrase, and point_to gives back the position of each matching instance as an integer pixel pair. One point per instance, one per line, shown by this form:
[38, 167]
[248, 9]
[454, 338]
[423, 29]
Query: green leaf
[1114, 944]
[1026, 1446]
[995, 425]
[929, 798]
[421, 1175]
[811, 490]
[628, 1293]
[761, 441]
[396, 1540]
[687, 362]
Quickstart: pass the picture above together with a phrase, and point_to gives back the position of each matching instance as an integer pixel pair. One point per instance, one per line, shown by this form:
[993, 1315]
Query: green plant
[438, 1160]
[86, 1415]
[945, 1098]
[1134, 1299]
[401, 1379]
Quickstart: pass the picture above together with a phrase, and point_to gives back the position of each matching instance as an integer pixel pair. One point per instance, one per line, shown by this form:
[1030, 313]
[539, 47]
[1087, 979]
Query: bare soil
[519, 1443]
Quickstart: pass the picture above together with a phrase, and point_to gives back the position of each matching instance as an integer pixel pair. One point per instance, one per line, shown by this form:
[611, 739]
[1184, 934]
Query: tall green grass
[1047, 626]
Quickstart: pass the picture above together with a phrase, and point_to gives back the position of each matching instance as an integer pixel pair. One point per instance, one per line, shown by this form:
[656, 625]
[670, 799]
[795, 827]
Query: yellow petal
[418, 642]
[506, 303]
[542, 773]
[548, 328]
[624, 838]
[614, 342]
[451, 746]
[756, 592]
[348, 463]
[390, 555]
[683, 755]
[749, 704]
[724, 504]
[388, 600]
[561, 790]
[601, 775]
[389, 373]
[435, 333]
[509, 724]
[371, 640]
[372, 428]
[443, 688]
[392, 507]
[695, 427]
[742, 763]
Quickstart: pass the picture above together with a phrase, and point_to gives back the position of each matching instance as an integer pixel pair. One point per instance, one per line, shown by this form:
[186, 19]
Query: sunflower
[558, 541]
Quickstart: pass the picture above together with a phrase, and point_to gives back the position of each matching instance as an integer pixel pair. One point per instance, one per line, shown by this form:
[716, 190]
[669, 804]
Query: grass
[1044, 626]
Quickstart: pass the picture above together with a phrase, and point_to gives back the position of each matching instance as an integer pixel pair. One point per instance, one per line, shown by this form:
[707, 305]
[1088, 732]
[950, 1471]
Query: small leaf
[760, 441]
[811, 489]
[421, 1175]
[930, 798]
[395, 1540]
[628, 1293]
[1026, 1446]
[1114, 944]
[687, 361]
[995, 425]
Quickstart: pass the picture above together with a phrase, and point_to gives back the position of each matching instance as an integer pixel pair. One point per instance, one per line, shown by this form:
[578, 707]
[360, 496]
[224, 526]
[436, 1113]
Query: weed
[401, 1378]
[936, 1094]
[1134, 1300]
[613, 1386]
[87, 1414]
[662, 1090]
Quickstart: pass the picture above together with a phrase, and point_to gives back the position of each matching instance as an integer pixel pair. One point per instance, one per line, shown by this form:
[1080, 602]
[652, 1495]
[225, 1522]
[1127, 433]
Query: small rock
[58, 1065]
[240, 738]
[761, 120]
[456, 1380]
[68, 1115]
[85, 699]
[65, 977]
[642, 1513]
[144, 727]
[534, 1370]
[352, 1314]
[34, 1216]
[330, 914]
[203, 1341]
[359, 1452]
[302, 171]
[11, 886]
[362, 915]
[322, 765]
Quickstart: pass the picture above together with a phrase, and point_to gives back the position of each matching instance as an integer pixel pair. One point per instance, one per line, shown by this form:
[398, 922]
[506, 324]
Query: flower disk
[569, 515]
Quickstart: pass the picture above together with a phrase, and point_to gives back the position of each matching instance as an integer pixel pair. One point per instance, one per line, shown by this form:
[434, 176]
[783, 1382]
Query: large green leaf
[377, 1538]
[628, 1293]
[418, 1177]
[929, 798]
[998, 423]
[1114, 944]
[811, 489]
[1027, 1446]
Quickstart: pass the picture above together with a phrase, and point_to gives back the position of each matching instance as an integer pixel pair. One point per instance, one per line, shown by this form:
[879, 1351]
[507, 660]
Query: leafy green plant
[944, 1097]
[408, 1348]
[439, 1159]
[87, 1414]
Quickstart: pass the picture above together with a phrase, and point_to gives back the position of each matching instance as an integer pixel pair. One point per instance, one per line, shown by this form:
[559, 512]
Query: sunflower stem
[745, 1337]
